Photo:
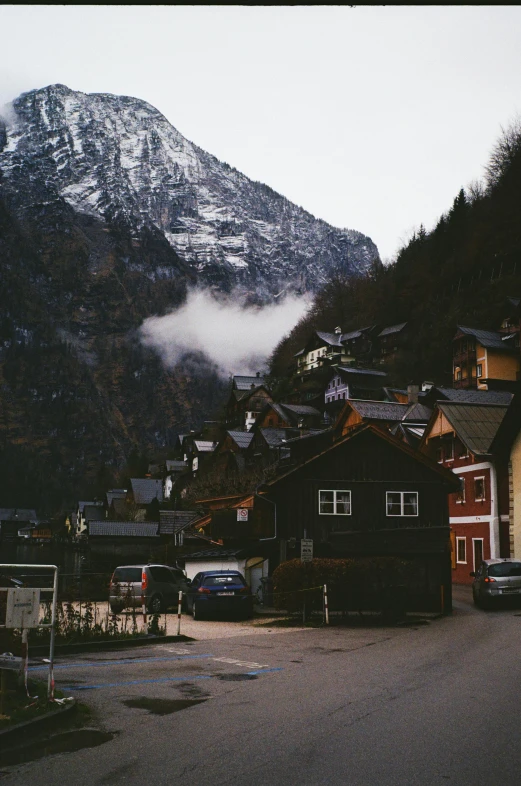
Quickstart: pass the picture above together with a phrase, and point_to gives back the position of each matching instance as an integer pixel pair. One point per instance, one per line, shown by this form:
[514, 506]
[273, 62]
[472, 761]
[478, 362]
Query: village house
[485, 359]
[244, 405]
[368, 494]
[85, 512]
[13, 519]
[459, 436]
[350, 382]
[288, 416]
[392, 340]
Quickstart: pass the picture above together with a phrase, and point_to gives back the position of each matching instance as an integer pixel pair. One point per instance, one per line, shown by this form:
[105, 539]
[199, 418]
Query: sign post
[242, 514]
[306, 550]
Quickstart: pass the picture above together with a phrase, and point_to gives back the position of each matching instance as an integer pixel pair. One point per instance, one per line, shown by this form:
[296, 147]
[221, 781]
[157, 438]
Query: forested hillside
[459, 273]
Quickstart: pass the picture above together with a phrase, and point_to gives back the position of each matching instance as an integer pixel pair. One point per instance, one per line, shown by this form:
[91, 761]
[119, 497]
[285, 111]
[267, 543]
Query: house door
[477, 544]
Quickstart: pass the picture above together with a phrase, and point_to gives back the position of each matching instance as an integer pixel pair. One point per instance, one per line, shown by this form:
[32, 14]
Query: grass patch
[18, 707]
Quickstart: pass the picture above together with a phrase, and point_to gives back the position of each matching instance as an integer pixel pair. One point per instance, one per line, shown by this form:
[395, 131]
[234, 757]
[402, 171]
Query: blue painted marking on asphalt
[118, 662]
[137, 682]
[156, 680]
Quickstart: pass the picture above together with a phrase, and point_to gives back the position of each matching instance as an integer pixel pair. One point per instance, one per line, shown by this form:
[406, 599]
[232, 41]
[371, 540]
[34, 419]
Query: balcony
[464, 384]
[462, 357]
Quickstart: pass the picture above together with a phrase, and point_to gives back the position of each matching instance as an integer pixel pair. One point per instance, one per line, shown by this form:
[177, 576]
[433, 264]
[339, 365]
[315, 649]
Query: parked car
[495, 580]
[159, 585]
[224, 591]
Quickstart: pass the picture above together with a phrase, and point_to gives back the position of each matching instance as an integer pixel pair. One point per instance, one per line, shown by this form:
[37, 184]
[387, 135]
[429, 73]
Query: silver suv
[159, 585]
[496, 579]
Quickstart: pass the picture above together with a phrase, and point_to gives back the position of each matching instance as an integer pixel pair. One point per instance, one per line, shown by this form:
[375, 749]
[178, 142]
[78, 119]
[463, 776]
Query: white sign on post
[306, 550]
[23, 608]
[242, 514]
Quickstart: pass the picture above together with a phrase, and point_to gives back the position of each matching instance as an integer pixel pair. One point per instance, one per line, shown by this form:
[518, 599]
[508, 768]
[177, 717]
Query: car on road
[219, 591]
[495, 580]
[158, 585]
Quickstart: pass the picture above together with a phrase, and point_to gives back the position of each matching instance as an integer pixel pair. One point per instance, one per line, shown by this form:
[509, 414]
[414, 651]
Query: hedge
[361, 583]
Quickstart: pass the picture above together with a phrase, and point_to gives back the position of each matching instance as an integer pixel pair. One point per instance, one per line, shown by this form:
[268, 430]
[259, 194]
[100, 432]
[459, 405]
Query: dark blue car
[219, 592]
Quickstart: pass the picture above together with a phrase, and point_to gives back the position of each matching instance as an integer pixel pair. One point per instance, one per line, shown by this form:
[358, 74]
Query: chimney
[426, 386]
[258, 374]
[338, 331]
[412, 394]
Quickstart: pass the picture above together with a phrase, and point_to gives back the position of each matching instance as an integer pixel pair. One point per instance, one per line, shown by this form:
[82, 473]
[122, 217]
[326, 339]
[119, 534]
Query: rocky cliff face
[118, 159]
[106, 215]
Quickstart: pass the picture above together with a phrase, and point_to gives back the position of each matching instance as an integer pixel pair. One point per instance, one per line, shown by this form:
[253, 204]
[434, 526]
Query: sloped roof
[211, 554]
[18, 514]
[355, 433]
[204, 446]
[333, 339]
[475, 424]
[301, 409]
[124, 529]
[418, 413]
[390, 392]
[112, 494]
[245, 383]
[392, 329]
[91, 512]
[240, 394]
[146, 489]
[476, 396]
[241, 438]
[81, 505]
[276, 436]
[365, 371]
[175, 466]
[379, 410]
[490, 339]
[171, 521]
[352, 334]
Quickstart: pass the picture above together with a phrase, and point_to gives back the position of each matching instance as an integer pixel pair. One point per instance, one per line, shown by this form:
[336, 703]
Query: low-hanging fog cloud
[236, 339]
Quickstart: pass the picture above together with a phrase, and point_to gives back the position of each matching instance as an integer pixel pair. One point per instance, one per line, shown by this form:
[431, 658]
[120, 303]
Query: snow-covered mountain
[118, 159]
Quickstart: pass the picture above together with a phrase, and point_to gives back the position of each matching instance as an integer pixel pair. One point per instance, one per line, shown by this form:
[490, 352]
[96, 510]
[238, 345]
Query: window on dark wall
[401, 503]
[479, 370]
[461, 491]
[333, 502]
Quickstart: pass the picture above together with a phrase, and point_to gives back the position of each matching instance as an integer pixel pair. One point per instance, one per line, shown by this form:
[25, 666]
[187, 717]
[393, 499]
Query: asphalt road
[431, 704]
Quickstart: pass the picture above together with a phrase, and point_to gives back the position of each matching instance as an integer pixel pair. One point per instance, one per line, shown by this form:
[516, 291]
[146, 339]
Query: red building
[459, 436]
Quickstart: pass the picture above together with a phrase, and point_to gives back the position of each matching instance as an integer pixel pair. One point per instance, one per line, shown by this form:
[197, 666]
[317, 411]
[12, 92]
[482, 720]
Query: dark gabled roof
[392, 329]
[475, 424]
[146, 489]
[490, 339]
[476, 396]
[113, 494]
[240, 394]
[447, 475]
[333, 339]
[309, 435]
[379, 410]
[352, 334]
[390, 393]
[81, 505]
[350, 370]
[276, 436]
[175, 466]
[171, 521]
[301, 409]
[18, 514]
[124, 529]
[245, 383]
[418, 413]
[241, 438]
[91, 512]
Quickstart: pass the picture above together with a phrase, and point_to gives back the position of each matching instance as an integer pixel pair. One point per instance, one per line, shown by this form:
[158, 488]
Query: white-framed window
[479, 489]
[461, 491]
[461, 550]
[334, 502]
[401, 503]
[448, 449]
[479, 370]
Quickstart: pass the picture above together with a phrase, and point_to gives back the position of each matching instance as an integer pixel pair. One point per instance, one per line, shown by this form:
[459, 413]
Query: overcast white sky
[371, 118]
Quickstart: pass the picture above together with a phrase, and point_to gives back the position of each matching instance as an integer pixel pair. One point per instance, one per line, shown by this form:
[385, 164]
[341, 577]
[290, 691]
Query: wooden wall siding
[369, 473]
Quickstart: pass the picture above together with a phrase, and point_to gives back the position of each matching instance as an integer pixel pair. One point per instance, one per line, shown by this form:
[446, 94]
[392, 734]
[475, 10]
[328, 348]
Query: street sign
[23, 608]
[242, 514]
[306, 550]
[10, 661]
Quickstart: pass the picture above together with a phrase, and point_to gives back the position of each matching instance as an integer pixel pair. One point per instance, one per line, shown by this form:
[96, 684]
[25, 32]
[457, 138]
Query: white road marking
[232, 661]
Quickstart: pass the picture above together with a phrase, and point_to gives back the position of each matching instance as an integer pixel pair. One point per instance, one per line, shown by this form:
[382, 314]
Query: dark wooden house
[369, 494]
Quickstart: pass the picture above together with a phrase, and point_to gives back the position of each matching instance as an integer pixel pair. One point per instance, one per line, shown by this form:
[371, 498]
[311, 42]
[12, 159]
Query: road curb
[47, 719]
[101, 646]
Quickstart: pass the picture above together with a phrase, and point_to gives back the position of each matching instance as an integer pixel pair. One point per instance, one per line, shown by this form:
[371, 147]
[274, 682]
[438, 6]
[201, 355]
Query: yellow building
[484, 359]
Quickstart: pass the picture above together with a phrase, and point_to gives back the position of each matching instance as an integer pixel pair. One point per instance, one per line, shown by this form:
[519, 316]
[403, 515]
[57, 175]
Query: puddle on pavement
[161, 706]
[237, 677]
[66, 742]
